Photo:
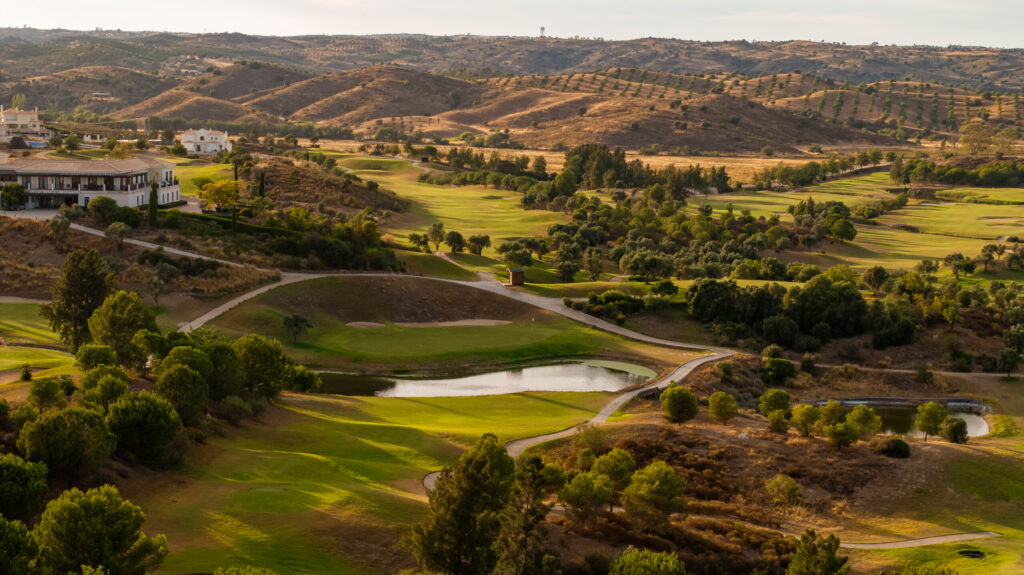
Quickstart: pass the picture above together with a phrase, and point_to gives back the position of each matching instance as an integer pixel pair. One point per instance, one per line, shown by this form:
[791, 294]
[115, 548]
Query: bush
[776, 370]
[45, 393]
[954, 429]
[892, 447]
[635, 561]
[92, 377]
[780, 329]
[22, 415]
[187, 392]
[146, 427]
[189, 357]
[722, 407]
[23, 485]
[777, 422]
[679, 404]
[69, 441]
[772, 400]
[784, 490]
[91, 356]
[107, 391]
[233, 409]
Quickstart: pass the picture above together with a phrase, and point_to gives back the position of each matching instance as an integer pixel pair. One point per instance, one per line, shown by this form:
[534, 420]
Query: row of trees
[487, 512]
[456, 242]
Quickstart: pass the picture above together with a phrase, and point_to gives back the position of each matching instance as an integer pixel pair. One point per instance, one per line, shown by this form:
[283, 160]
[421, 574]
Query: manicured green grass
[332, 343]
[12, 357]
[214, 171]
[21, 323]
[982, 195]
[466, 209]
[539, 272]
[288, 494]
[379, 164]
[432, 266]
[972, 221]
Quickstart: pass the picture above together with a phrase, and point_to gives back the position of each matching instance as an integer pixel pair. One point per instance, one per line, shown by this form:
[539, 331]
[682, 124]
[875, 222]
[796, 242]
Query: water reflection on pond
[901, 421]
[578, 376]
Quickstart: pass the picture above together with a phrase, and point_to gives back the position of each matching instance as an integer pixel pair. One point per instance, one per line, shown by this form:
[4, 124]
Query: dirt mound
[399, 299]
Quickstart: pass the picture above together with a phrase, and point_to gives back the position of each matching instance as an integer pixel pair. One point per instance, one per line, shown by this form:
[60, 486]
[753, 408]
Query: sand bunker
[461, 322]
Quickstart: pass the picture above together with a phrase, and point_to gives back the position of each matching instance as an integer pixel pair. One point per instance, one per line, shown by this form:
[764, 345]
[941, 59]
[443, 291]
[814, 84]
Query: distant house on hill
[23, 123]
[205, 141]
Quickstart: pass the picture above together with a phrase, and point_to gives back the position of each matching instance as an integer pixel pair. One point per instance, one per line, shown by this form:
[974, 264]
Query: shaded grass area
[289, 493]
[15, 357]
[429, 265]
[332, 343]
[21, 323]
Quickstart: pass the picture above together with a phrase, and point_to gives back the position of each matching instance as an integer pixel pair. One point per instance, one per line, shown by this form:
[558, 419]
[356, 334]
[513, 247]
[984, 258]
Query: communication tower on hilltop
[541, 31]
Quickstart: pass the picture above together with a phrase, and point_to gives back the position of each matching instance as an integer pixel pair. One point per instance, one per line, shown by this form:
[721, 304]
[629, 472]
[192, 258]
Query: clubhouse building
[54, 183]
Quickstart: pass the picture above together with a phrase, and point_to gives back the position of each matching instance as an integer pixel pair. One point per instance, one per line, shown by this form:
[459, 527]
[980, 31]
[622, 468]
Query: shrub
[807, 363]
[68, 441]
[635, 561]
[776, 370]
[189, 357]
[92, 377]
[187, 392]
[773, 351]
[865, 421]
[592, 437]
[805, 418]
[45, 393]
[722, 407]
[772, 400]
[777, 422]
[892, 447]
[780, 329]
[91, 356]
[23, 414]
[233, 409]
[679, 404]
[146, 427]
[841, 435]
[107, 391]
[23, 484]
[784, 490]
[954, 429]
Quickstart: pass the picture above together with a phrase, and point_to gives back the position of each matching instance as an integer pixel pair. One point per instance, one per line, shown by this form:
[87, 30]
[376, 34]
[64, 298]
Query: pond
[900, 421]
[590, 375]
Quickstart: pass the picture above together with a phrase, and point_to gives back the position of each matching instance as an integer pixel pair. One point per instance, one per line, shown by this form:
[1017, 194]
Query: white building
[24, 123]
[205, 141]
[54, 183]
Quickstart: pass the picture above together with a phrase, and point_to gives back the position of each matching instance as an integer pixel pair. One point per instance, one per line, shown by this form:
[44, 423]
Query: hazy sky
[936, 22]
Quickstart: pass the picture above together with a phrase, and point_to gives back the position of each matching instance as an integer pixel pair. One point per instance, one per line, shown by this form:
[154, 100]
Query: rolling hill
[536, 112]
[28, 52]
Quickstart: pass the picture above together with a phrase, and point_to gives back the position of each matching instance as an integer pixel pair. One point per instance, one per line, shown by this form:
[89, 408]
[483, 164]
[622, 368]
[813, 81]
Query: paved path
[924, 541]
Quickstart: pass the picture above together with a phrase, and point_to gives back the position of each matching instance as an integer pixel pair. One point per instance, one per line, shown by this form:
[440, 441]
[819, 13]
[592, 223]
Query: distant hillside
[613, 108]
[374, 92]
[241, 82]
[74, 88]
[914, 105]
[30, 52]
[179, 103]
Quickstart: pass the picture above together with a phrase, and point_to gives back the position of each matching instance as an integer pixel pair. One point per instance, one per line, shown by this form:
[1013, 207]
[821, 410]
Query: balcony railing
[101, 187]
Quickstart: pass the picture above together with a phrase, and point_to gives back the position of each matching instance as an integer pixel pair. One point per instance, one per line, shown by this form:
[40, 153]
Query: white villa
[55, 183]
[205, 141]
[24, 123]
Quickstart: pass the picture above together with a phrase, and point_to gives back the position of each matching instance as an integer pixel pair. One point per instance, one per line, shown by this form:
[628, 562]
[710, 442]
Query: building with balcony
[205, 141]
[24, 123]
[55, 183]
